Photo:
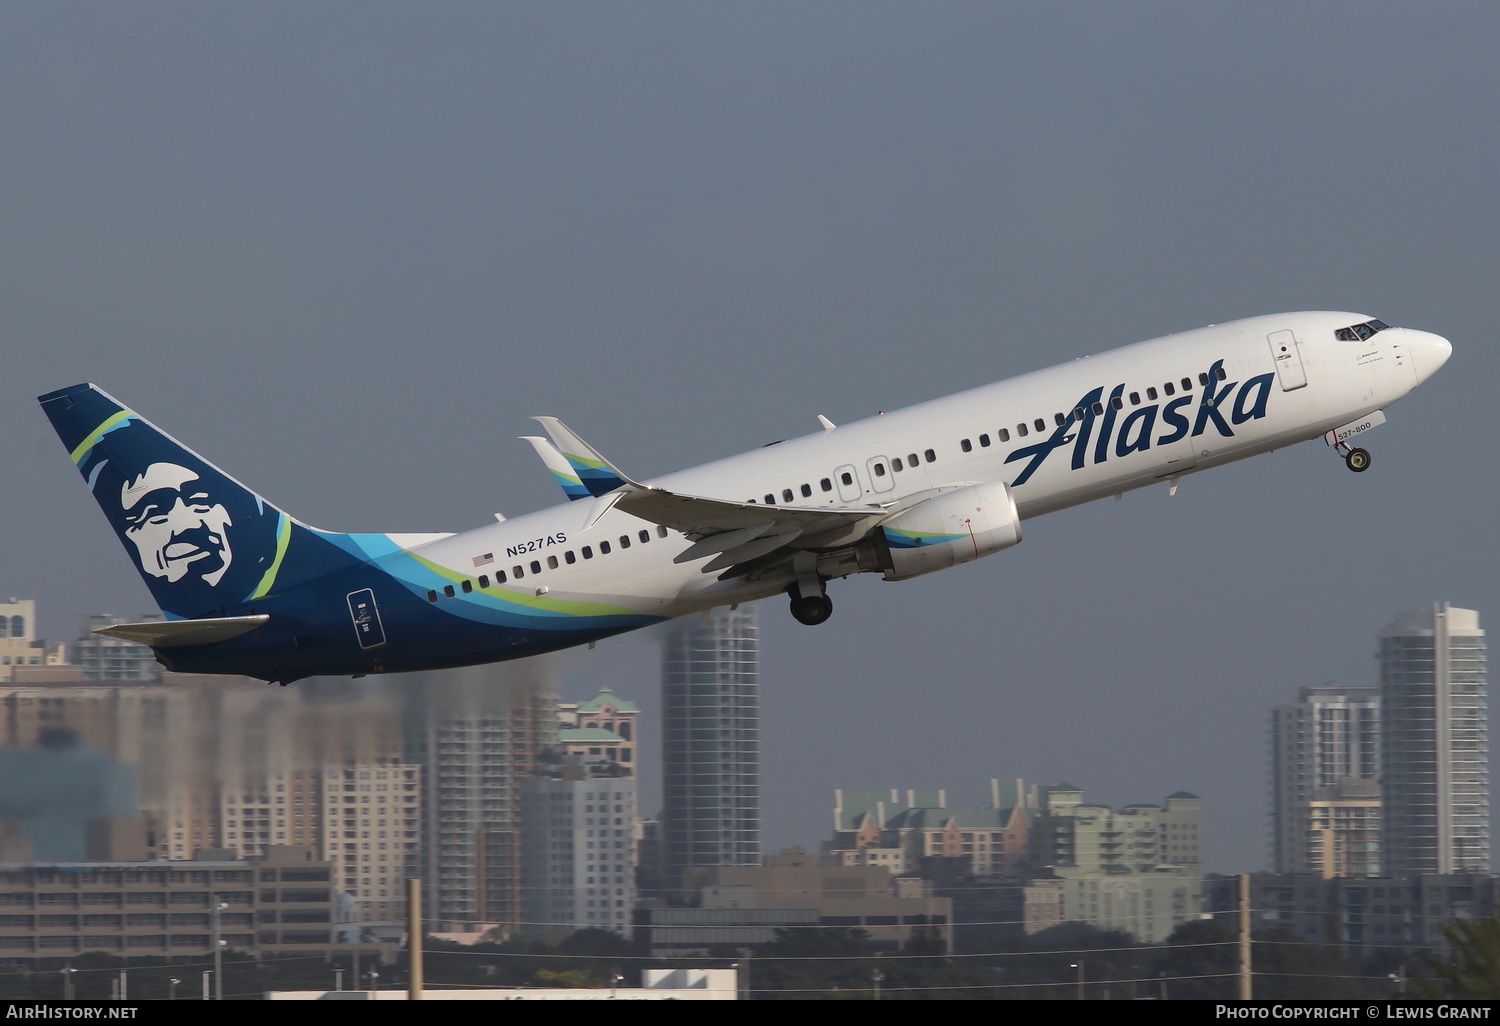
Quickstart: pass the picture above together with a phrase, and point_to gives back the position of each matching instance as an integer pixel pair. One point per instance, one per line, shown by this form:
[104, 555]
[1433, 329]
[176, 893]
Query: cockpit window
[1360, 332]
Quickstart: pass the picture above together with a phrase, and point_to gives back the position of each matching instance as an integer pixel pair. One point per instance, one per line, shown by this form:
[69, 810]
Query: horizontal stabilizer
[181, 633]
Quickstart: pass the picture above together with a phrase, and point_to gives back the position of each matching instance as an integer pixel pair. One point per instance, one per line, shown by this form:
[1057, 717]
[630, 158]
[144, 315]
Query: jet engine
[949, 529]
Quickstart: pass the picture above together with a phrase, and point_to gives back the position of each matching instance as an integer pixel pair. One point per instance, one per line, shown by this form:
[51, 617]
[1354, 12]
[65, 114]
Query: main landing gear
[1357, 460]
[810, 602]
[812, 609]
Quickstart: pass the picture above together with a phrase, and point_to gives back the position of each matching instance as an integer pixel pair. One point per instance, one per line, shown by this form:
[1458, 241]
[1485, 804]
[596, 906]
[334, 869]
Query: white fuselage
[1317, 383]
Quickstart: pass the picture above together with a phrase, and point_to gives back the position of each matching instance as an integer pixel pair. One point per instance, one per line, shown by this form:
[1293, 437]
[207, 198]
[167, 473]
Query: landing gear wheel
[1357, 460]
[812, 609]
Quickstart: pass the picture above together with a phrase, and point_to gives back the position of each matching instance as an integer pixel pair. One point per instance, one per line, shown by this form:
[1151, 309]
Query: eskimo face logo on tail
[177, 528]
[1137, 429]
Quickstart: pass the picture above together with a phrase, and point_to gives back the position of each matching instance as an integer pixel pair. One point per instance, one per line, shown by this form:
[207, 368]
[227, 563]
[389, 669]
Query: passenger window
[770, 500]
[845, 478]
[1187, 384]
[826, 485]
[568, 557]
[432, 596]
[624, 541]
[880, 470]
[588, 552]
[1202, 378]
[536, 567]
[661, 532]
[1004, 435]
[1150, 393]
[966, 445]
[484, 580]
[806, 491]
[1041, 425]
[1098, 409]
[1021, 430]
[551, 562]
[499, 576]
[786, 495]
[1060, 419]
[984, 441]
[911, 461]
[517, 572]
[1223, 374]
[896, 464]
[1170, 390]
[1117, 403]
[448, 590]
[643, 535]
[1079, 413]
[467, 586]
[1135, 398]
[930, 455]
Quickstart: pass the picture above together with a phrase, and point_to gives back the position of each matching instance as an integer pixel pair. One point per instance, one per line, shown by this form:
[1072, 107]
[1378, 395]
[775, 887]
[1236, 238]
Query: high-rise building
[578, 845]
[578, 858]
[1341, 830]
[1329, 735]
[225, 764]
[1136, 870]
[1434, 743]
[476, 732]
[711, 741]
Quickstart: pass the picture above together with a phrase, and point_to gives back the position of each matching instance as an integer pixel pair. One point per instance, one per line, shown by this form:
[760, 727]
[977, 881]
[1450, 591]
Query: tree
[1472, 968]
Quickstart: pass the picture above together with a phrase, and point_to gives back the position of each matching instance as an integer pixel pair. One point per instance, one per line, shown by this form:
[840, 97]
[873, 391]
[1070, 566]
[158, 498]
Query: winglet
[595, 473]
[561, 469]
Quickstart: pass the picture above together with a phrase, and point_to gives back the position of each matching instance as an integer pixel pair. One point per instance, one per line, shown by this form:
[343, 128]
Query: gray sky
[345, 250]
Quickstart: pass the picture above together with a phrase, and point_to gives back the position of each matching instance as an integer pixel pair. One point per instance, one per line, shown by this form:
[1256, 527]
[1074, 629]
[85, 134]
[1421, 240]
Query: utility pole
[215, 907]
[1079, 967]
[875, 977]
[413, 939]
[1243, 886]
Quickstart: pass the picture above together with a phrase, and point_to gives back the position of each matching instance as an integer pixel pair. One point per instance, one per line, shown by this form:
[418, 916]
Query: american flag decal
[488, 557]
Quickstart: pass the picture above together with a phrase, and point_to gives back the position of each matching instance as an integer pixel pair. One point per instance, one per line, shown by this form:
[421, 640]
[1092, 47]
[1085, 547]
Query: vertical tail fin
[204, 543]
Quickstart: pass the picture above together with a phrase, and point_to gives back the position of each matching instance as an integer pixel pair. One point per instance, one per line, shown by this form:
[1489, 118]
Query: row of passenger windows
[1023, 430]
[1040, 424]
[846, 478]
[518, 572]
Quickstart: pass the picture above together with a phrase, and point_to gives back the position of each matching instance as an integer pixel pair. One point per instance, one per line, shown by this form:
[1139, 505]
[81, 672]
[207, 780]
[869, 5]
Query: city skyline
[335, 249]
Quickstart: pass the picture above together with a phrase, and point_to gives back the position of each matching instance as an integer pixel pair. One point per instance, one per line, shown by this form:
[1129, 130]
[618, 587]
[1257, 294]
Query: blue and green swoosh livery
[209, 547]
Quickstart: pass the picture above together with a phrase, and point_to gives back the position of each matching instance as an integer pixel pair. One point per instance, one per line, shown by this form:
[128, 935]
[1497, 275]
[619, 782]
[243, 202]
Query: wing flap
[734, 533]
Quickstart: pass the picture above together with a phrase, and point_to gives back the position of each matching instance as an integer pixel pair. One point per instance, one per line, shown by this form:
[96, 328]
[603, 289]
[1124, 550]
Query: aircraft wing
[734, 533]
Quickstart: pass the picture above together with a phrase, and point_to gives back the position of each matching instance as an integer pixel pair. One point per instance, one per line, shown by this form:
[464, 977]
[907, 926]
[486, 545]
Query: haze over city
[346, 251]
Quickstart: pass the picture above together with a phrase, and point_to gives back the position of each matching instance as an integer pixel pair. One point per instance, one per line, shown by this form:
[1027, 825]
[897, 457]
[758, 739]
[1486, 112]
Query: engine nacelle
[949, 529]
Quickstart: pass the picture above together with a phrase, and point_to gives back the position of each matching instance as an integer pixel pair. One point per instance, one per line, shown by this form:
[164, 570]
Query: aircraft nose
[1428, 352]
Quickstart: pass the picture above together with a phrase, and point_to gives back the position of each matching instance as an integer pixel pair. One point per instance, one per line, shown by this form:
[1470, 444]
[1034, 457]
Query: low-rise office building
[280, 904]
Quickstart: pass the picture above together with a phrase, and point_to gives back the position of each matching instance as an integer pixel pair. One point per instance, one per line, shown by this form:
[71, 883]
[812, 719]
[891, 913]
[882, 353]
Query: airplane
[245, 588]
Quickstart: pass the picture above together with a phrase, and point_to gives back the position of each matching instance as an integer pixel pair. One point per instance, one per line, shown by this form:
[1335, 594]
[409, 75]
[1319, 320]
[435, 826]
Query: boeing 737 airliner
[247, 589]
